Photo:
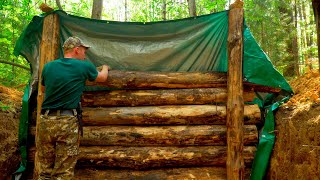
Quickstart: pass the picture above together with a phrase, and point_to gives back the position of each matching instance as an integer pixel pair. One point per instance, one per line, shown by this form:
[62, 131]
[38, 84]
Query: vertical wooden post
[235, 104]
[48, 51]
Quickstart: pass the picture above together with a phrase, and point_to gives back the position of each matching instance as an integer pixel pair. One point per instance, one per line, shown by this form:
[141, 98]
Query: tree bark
[164, 136]
[235, 104]
[48, 52]
[154, 157]
[158, 97]
[165, 115]
[59, 4]
[97, 9]
[216, 173]
[316, 10]
[125, 10]
[192, 8]
[171, 80]
[164, 10]
[295, 45]
[204, 135]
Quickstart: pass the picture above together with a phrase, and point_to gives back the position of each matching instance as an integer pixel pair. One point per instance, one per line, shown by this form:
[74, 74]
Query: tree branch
[15, 64]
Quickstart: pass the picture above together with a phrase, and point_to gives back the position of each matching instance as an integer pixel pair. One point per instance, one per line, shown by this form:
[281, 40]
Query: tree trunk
[171, 80]
[125, 10]
[59, 4]
[165, 115]
[295, 45]
[316, 10]
[158, 97]
[192, 8]
[164, 10]
[154, 157]
[97, 9]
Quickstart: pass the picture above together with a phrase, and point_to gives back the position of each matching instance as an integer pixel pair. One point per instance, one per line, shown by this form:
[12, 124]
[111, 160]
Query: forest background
[285, 29]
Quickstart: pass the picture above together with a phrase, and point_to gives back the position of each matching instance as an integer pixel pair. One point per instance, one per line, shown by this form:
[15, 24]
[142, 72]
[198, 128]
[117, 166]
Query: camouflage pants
[57, 144]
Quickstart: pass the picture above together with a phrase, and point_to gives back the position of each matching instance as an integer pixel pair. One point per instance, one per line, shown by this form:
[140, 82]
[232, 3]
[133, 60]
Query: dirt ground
[10, 108]
[296, 152]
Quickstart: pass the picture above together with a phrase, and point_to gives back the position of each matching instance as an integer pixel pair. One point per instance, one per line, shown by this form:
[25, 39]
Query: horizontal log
[201, 173]
[154, 157]
[158, 97]
[161, 135]
[165, 115]
[152, 80]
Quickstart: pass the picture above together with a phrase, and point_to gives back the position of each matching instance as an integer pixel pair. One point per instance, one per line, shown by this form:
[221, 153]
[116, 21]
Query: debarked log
[154, 157]
[158, 97]
[163, 135]
[154, 80]
[165, 115]
[199, 173]
[204, 135]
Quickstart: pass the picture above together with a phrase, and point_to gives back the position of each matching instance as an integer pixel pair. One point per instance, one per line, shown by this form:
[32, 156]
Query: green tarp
[185, 45]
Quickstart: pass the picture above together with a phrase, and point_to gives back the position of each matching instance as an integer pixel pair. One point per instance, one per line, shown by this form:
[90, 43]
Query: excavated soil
[10, 108]
[296, 152]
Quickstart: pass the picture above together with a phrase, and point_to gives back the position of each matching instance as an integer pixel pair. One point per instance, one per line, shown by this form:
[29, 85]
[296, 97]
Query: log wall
[153, 129]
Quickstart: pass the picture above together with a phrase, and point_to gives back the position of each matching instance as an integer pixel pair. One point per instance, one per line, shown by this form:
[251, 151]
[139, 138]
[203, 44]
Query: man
[57, 138]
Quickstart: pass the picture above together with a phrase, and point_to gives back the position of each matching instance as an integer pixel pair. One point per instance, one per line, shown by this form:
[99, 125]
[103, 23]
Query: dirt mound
[10, 108]
[306, 89]
[297, 149]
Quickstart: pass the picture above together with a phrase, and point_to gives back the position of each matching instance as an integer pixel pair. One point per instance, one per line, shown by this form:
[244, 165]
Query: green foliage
[271, 22]
[14, 15]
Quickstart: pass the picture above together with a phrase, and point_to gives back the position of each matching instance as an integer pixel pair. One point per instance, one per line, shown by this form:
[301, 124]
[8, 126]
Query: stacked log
[159, 123]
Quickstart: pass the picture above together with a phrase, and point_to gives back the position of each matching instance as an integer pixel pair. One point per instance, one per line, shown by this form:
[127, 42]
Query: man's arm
[103, 74]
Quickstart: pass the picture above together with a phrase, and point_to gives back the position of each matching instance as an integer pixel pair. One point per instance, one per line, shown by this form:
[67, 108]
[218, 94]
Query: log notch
[159, 97]
[165, 115]
[203, 135]
[48, 51]
[154, 157]
[235, 103]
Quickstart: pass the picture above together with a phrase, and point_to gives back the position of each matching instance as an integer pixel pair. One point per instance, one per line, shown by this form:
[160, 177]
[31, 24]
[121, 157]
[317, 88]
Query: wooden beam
[165, 115]
[158, 97]
[204, 173]
[171, 80]
[203, 135]
[154, 157]
[235, 102]
[48, 51]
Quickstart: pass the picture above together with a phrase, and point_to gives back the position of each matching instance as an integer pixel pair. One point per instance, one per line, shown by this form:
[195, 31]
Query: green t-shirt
[64, 80]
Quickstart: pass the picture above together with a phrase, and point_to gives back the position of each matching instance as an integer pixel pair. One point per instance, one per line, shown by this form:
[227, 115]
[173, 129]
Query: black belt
[59, 112]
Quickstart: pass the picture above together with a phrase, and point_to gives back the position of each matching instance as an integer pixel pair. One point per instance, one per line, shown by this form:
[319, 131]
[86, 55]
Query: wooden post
[235, 103]
[48, 51]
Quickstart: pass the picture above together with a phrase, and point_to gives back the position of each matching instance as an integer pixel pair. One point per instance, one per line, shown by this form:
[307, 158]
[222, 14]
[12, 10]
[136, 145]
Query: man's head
[74, 48]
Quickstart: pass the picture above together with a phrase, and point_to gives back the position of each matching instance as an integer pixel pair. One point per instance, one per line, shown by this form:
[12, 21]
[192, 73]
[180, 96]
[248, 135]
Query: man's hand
[103, 74]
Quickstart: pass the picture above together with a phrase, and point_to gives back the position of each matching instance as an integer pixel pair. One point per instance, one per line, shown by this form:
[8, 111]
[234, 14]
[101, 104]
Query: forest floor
[296, 152]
